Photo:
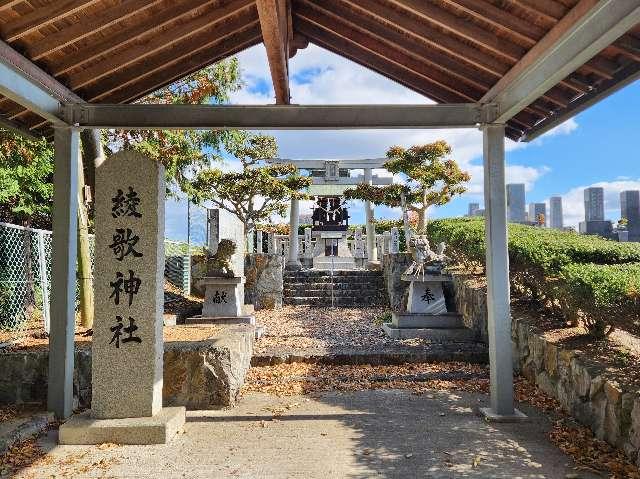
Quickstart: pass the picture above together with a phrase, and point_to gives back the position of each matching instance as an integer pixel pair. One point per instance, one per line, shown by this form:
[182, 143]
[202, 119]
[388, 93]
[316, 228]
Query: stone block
[580, 378]
[223, 297]
[426, 297]
[433, 334]
[550, 358]
[83, 429]
[546, 383]
[634, 428]
[207, 374]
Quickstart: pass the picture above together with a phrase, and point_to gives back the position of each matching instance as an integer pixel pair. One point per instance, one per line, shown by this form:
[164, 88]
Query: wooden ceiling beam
[137, 52]
[7, 4]
[350, 32]
[527, 32]
[393, 18]
[465, 29]
[121, 39]
[41, 16]
[238, 30]
[88, 26]
[410, 45]
[189, 65]
[371, 60]
[550, 9]
[274, 21]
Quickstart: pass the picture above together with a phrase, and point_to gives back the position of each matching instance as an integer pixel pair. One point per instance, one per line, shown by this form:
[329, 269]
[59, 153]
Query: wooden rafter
[113, 63]
[88, 26]
[378, 63]
[228, 33]
[550, 9]
[6, 4]
[128, 35]
[527, 32]
[274, 22]
[42, 16]
[351, 32]
[187, 66]
[434, 38]
[467, 30]
[409, 45]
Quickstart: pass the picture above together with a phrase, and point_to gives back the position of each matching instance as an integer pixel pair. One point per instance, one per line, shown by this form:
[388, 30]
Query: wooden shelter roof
[451, 51]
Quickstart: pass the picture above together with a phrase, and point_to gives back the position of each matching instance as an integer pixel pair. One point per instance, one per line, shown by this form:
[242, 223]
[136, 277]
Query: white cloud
[573, 200]
[321, 77]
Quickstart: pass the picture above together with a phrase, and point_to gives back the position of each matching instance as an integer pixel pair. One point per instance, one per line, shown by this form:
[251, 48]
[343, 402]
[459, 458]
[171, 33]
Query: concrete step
[433, 334]
[312, 273]
[335, 279]
[340, 285]
[337, 301]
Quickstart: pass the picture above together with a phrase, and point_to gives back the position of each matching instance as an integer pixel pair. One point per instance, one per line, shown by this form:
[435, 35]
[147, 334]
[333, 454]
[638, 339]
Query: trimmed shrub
[589, 278]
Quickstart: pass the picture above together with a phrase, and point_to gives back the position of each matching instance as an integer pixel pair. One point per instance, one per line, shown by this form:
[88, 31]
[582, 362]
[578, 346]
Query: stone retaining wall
[580, 385]
[264, 284]
[198, 375]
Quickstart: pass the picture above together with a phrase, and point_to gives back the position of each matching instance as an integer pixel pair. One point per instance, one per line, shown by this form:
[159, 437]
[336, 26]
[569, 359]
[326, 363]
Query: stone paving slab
[365, 434]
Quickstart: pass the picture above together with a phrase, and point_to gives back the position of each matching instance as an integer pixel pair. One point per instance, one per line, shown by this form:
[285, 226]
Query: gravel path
[310, 331]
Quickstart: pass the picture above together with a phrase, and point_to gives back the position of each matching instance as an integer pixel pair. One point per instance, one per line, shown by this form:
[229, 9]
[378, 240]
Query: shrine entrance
[331, 247]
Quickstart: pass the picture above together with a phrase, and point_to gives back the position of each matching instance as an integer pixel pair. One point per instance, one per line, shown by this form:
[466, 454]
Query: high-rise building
[594, 204]
[473, 207]
[630, 209]
[630, 206]
[515, 202]
[555, 212]
[537, 209]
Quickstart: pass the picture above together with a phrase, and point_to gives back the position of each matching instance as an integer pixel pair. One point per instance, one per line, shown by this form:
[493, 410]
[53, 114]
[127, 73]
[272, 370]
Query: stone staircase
[351, 288]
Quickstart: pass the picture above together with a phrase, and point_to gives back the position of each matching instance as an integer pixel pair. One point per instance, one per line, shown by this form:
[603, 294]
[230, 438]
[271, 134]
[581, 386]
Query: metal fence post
[44, 281]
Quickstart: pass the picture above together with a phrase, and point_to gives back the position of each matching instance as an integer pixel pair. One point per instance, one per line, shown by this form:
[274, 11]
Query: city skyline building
[472, 209]
[594, 203]
[556, 220]
[630, 210]
[536, 209]
[515, 203]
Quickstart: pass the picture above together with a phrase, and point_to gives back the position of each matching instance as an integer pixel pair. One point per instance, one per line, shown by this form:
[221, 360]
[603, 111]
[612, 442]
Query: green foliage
[256, 192]
[586, 277]
[184, 152]
[26, 179]
[430, 179]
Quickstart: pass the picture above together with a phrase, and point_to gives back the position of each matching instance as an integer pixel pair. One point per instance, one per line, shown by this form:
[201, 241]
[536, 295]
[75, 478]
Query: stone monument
[127, 346]
[426, 314]
[223, 279]
[394, 244]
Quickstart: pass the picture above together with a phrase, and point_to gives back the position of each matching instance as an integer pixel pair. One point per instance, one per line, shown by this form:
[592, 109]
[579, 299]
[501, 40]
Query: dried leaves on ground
[300, 328]
[303, 378]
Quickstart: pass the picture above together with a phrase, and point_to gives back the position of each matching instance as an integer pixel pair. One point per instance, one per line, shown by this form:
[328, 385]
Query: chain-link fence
[25, 274]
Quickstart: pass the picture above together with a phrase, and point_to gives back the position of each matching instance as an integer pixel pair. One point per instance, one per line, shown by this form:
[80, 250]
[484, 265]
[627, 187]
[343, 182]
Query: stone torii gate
[331, 183]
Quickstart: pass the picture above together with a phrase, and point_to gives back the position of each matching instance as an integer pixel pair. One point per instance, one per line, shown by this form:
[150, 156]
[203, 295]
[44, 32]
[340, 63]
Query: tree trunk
[85, 279]
[422, 219]
[93, 154]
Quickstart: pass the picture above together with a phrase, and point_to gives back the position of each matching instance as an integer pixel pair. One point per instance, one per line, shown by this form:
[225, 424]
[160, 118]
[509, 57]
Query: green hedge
[586, 277]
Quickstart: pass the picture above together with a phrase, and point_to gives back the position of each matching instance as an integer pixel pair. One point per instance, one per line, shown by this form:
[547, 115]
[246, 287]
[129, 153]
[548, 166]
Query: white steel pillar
[294, 217]
[372, 251]
[497, 268]
[63, 272]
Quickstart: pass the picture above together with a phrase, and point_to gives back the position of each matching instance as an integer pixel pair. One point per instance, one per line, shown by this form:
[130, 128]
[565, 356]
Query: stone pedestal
[426, 316]
[127, 346]
[223, 302]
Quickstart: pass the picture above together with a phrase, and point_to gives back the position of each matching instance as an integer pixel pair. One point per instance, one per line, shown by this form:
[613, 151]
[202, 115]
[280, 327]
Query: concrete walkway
[364, 434]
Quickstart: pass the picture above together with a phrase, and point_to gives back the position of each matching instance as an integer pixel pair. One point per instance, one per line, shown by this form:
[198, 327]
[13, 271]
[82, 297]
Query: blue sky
[598, 147]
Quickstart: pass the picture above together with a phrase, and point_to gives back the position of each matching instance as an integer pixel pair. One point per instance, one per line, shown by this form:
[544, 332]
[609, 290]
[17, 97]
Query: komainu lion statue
[219, 263]
[423, 255]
